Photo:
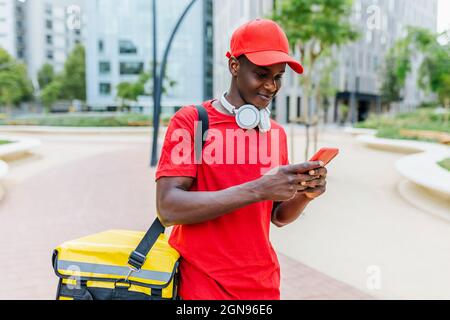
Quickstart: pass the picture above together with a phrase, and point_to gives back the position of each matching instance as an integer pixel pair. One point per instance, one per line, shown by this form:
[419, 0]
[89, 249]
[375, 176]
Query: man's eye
[262, 75]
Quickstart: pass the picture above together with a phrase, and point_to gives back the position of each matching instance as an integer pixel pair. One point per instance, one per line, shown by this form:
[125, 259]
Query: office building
[120, 48]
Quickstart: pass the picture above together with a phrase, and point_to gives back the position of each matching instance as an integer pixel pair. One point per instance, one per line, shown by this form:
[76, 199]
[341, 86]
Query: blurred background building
[12, 34]
[358, 75]
[39, 32]
[120, 47]
[118, 39]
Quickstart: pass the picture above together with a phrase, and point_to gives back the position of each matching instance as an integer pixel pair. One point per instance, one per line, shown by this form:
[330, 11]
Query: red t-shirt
[229, 257]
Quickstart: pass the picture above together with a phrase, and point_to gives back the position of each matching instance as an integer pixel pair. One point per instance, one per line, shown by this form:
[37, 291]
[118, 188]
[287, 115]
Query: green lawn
[4, 142]
[445, 164]
[421, 119]
[67, 120]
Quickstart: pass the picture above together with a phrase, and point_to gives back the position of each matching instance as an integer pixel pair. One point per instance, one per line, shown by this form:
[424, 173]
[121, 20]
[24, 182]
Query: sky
[443, 15]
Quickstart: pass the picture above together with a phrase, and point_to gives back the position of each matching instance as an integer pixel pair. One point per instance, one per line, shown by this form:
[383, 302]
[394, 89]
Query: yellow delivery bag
[118, 265]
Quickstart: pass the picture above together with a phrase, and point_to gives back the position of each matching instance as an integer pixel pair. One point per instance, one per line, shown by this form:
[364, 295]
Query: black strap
[139, 255]
[200, 135]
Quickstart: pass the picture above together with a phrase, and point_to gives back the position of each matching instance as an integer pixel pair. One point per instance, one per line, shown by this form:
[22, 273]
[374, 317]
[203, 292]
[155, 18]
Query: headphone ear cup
[264, 123]
[248, 117]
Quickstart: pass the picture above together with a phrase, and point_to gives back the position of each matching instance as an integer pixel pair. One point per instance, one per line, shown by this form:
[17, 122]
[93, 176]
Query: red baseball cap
[264, 43]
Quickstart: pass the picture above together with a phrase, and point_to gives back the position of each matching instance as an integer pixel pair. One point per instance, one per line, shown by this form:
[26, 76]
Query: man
[221, 208]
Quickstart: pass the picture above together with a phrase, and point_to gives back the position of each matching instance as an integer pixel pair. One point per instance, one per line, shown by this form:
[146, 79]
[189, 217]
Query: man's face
[257, 85]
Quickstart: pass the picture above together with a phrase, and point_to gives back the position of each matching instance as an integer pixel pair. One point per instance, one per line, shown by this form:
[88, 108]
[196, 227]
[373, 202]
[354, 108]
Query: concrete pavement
[366, 233]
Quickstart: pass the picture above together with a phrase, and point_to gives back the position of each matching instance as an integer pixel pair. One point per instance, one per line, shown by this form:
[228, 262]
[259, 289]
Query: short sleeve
[177, 154]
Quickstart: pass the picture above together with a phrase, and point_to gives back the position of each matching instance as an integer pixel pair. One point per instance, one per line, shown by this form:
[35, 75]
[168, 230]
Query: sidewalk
[73, 188]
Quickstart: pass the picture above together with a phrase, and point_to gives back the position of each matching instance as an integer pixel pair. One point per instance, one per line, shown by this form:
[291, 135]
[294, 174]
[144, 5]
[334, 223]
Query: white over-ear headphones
[248, 116]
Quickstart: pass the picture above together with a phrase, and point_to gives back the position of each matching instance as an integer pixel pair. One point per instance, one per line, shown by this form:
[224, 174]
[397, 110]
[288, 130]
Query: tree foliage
[130, 91]
[70, 84]
[434, 71]
[74, 75]
[45, 75]
[15, 86]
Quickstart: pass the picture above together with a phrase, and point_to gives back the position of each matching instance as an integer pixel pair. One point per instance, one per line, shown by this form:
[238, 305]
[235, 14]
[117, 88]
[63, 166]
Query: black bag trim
[96, 293]
[151, 286]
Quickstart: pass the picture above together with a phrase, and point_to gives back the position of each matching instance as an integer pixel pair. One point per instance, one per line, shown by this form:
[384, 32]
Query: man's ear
[233, 66]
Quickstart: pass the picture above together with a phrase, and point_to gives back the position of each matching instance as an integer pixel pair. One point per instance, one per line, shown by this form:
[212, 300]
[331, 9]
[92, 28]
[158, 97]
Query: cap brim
[268, 58]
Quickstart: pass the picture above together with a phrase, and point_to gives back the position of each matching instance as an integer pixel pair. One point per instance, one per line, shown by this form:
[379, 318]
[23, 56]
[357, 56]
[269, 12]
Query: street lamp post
[158, 79]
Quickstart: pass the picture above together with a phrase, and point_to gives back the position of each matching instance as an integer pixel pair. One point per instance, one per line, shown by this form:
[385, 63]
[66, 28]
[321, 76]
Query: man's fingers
[318, 172]
[305, 166]
[319, 189]
[299, 178]
[314, 183]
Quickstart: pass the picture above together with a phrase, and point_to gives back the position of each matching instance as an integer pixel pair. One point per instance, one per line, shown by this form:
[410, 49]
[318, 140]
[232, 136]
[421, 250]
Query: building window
[209, 31]
[288, 109]
[49, 39]
[127, 47]
[104, 67]
[375, 62]
[209, 71]
[100, 46]
[48, 9]
[50, 54]
[105, 89]
[128, 68]
[209, 8]
[299, 107]
[49, 24]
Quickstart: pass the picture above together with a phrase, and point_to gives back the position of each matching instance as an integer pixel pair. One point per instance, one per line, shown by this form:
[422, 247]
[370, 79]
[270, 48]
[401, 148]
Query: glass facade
[122, 34]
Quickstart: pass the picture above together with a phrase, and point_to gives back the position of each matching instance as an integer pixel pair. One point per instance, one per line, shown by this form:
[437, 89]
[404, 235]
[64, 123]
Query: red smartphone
[325, 155]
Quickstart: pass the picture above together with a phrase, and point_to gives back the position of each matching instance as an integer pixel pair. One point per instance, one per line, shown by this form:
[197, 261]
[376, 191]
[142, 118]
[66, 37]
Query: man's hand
[317, 186]
[282, 183]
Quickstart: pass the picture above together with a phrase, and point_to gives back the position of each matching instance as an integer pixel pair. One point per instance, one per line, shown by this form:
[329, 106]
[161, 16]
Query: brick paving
[107, 190]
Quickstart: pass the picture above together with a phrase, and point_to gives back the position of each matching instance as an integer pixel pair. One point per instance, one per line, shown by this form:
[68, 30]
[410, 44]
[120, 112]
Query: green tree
[74, 75]
[391, 84]
[130, 91]
[51, 93]
[434, 71]
[313, 27]
[45, 75]
[15, 86]
[69, 84]
[434, 74]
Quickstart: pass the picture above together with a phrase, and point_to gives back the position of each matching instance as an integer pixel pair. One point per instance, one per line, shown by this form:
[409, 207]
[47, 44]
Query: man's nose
[271, 85]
